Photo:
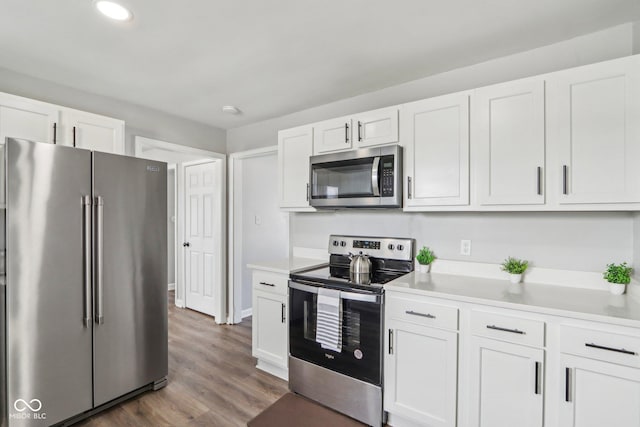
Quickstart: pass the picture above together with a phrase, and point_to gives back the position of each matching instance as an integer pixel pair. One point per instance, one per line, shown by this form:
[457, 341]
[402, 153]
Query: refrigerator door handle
[98, 254]
[86, 236]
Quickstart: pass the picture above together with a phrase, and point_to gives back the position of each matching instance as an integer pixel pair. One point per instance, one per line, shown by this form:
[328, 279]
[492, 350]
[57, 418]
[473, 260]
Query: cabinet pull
[539, 181]
[268, 284]
[537, 379]
[567, 384]
[308, 192]
[55, 133]
[74, 136]
[565, 178]
[408, 187]
[617, 350]
[390, 341]
[283, 315]
[415, 313]
[359, 130]
[346, 133]
[498, 328]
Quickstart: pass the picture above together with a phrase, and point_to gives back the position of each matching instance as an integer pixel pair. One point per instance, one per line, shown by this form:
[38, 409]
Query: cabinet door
[421, 370]
[269, 327]
[510, 136]
[295, 146]
[376, 127]
[94, 132]
[596, 393]
[332, 135]
[506, 384]
[595, 131]
[26, 119]
[435, 135]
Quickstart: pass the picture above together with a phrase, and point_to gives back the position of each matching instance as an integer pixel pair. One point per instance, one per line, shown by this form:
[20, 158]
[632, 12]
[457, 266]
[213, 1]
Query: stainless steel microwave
[366, 178]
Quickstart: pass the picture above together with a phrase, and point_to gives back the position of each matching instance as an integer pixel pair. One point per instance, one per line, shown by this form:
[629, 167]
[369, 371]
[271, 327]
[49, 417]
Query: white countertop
[288, 265]
[550, 299]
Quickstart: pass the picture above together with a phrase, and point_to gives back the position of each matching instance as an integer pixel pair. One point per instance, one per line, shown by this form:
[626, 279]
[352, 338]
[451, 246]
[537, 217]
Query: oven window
[343, 179]
[361, 337]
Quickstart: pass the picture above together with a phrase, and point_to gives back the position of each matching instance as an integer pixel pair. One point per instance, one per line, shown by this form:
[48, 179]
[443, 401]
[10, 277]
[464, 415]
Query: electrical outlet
[258, 220]
[465, 247]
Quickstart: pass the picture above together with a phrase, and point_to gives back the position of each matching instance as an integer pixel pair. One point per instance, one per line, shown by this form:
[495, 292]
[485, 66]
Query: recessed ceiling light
[113, 10]
[230, 109]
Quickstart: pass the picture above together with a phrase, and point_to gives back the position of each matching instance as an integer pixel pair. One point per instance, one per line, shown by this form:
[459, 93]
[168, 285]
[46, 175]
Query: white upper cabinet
[435, 136]
[295, 146]
[594, 128]
[509, 134]
[332, 135]
[375, 127]
[94, 132]
[28, 119]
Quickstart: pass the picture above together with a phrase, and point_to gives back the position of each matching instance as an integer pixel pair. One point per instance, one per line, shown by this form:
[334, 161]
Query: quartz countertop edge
[288, 265]
[584, 304]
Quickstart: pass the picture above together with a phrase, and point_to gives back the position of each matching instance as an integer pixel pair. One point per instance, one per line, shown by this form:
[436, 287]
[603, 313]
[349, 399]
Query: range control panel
[379, 247]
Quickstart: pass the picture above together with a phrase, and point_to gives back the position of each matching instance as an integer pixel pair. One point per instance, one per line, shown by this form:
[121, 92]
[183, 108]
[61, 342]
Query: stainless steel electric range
[336, 325]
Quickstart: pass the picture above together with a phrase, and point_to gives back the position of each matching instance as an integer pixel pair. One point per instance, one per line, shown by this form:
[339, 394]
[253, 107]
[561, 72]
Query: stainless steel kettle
[360, 268]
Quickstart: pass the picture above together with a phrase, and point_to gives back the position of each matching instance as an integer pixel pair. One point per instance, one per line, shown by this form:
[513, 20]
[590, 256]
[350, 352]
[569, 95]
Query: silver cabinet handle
[308, 191]
[498, 328]
[567, 384]
[267, 284]
[408, 187]
[537, 387]
[375, 179]
[346, 133]
[55, 133]
[98, 260]
[283, 310]
[390, 341]
[565, 179]
[617, 350]
[539, 181]
[86, 237]
[74, 136]
[359, 130]
[415, 313]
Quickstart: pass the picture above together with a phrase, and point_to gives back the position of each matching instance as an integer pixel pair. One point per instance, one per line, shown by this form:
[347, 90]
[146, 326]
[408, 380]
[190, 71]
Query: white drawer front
[508, 328]
[270, 282]
[601, 345]
[421, 312]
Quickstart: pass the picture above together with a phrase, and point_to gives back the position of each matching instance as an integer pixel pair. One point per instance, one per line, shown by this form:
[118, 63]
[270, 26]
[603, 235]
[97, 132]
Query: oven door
[361, 355]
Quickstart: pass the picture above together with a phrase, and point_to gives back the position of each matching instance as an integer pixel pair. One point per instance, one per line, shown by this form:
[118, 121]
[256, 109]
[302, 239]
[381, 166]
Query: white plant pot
[617, 288]
[424, 268]
[515, 278]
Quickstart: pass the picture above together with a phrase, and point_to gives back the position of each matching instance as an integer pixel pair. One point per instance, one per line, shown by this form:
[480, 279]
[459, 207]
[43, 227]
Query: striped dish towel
[329, 320]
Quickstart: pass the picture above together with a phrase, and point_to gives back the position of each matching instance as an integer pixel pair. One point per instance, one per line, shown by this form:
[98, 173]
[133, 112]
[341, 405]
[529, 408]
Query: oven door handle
[351, 296]
[375, 177]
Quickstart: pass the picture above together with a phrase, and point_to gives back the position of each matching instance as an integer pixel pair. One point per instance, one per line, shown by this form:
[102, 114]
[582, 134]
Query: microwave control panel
[387, 176]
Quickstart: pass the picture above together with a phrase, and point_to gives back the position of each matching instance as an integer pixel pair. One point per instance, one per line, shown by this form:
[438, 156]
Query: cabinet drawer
[508, 328]
[422, 312]
[270, 282]
[601, 345]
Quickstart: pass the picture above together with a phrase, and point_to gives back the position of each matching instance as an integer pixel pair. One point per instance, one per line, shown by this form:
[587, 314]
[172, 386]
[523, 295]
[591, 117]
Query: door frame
[143, 144]
[235, 236]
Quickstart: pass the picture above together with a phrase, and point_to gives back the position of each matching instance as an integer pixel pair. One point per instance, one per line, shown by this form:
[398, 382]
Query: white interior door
[202, 258]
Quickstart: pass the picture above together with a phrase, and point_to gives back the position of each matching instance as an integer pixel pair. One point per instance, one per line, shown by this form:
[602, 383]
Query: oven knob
[335, 243]
[390, 246]
[343, 243]
[400, 247]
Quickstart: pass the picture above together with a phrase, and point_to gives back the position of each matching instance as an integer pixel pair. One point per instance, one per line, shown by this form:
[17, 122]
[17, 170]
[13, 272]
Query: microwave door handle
[375, 177]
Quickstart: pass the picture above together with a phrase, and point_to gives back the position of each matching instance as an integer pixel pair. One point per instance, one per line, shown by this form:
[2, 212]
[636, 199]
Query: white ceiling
[273, 57]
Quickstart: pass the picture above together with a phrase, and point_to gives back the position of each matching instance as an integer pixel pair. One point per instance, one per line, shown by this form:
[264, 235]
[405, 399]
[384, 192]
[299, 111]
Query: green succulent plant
[425, 256]
[514, 265]
[618, 273]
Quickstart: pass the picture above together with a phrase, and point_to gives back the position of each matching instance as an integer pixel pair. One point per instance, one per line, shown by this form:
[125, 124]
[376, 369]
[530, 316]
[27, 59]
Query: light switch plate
[465, 247]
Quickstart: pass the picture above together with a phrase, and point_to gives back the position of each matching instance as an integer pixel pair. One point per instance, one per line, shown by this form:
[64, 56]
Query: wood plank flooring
[212, 379]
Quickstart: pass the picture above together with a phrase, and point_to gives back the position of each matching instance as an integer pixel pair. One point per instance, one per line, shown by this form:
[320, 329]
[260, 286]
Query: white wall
[565, 240]
[139, 120]
[268, 240]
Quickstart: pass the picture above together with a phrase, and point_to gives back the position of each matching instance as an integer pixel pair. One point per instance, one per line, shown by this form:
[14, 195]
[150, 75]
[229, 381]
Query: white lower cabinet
[270, 332]
[506, 387]
[597, 393]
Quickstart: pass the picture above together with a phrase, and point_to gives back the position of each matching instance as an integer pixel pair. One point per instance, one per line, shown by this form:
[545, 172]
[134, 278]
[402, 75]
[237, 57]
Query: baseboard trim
[247, 312]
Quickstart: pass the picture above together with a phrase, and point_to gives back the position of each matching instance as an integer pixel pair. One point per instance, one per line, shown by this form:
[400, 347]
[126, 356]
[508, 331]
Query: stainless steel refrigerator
[84, 301]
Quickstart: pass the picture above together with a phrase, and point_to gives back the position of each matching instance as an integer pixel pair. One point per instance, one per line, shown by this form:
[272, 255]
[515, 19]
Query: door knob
[186, 244]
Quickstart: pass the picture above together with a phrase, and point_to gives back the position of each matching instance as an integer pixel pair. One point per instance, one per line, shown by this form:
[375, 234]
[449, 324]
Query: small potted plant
[425, 257]
[515, 267]
[618, 276]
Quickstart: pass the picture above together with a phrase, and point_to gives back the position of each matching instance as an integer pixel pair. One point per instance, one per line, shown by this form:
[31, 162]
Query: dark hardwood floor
[213, 380]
